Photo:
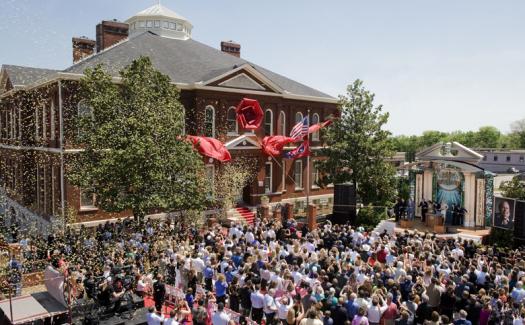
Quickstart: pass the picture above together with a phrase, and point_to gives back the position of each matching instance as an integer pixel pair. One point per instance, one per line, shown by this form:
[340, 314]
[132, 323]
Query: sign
[503, 213]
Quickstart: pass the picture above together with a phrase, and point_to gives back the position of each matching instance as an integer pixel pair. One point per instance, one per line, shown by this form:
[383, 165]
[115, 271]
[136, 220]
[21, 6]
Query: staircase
[241, 214]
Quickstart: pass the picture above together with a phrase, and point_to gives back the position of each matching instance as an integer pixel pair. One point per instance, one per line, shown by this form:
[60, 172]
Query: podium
[436, 222]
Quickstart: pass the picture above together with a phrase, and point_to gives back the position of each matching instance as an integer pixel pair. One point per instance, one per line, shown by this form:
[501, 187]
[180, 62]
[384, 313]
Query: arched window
[231, 119]
[315, 120]
[282, 123]
[83, 111]
[268, 122]
[209, 121]
[298, 117]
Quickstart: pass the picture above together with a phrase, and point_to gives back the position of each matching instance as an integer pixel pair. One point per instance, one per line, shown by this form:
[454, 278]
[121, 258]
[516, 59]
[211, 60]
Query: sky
[434, 65]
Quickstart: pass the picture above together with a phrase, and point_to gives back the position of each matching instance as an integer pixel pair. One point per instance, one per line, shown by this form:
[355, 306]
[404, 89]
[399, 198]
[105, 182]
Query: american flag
[300, 130]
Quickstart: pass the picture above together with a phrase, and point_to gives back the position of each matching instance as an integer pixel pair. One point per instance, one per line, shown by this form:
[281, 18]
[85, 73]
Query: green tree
[514, 188]
[518, 134]
[488, 137]
[356, 147]
[134, 155]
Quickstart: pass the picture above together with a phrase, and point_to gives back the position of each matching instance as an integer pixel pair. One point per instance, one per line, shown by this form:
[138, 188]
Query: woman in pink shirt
[360, 318]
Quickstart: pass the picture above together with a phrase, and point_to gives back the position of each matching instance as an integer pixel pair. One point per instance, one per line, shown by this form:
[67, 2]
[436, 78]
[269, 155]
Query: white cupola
[161, 21]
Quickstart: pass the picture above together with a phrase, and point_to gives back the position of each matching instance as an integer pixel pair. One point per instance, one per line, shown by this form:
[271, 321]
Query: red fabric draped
[249, 114]
[316, 127]
[273, 145]
[210, 147]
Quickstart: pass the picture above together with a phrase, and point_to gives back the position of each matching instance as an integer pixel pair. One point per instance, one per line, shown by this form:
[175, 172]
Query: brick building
[38, 109]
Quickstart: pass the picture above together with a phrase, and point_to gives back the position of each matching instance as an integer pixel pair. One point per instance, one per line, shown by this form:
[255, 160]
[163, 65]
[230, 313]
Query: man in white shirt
[220, 317]
[153, 317]
[257, 299]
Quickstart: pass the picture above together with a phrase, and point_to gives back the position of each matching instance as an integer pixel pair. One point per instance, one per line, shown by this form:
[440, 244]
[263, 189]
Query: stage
[464, 233]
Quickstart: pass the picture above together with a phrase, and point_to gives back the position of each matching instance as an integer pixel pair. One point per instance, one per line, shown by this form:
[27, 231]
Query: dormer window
[142, 24]
[172, 25]
[149, 24]
[157, 23]
[165, 24]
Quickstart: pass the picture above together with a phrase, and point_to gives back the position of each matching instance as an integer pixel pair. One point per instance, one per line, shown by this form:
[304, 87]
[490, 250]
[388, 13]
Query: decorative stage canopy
[249, 114]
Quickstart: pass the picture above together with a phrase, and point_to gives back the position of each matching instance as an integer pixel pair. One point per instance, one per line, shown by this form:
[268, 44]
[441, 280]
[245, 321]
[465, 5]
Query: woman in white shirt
[283, 304]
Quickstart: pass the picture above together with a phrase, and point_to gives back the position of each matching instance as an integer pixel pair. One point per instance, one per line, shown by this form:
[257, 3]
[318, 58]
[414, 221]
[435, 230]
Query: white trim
[283, 176]
[229, 132]
[211, 167]
[44, 122]
[186, 86]
[295, 121]
[249, 68]
[198, 86]
[89, 207]
[249, 138]
[45, 149]
[271, 121]
[270, 189]
[315, 135]
[282, 123]
[212, 121]
[256, 85]
[298, 186]
[53, 126]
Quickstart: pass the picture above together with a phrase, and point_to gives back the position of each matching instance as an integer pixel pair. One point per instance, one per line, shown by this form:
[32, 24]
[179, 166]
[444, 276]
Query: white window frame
[211, 180]
[156, 23]
[283, 180]
[91, 206]
[296, 119]
[212, 121]
[19, 124]
[298, 184]
[37, 124]
[314, 176]
[230, 132]
[44, 122]
[165, 24]
[282, 122]
[83, 101]
[315, 120]
[268, 124]
[142, 24]
[268, 178]
[149, 23]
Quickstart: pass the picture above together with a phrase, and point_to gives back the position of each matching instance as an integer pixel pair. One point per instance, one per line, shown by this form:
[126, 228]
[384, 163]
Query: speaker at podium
[345, 200]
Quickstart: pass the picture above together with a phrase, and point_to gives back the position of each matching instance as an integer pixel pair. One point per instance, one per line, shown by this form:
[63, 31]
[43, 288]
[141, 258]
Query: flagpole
[308, 163]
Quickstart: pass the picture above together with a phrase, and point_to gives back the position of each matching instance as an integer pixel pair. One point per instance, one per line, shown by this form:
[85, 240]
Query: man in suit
[159, 293]
[424, 209]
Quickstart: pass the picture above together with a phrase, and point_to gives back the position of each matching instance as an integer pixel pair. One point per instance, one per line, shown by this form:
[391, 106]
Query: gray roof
[25, 76]
[184, 61]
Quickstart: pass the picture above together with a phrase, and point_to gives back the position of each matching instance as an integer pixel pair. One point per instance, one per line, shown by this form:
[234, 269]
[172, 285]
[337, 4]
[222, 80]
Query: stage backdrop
[519, 220]
[449, 189]
[503, 213]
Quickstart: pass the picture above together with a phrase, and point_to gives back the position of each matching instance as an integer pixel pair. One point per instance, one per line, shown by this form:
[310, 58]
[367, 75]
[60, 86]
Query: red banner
[273, 145]
[210, 147]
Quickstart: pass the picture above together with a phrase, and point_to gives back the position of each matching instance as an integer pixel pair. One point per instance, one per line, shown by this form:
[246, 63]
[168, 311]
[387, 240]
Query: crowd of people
[282, 273]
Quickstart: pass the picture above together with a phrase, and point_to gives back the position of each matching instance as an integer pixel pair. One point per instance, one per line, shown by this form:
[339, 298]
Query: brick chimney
[82, 47]
[110, 33]
[232, 48]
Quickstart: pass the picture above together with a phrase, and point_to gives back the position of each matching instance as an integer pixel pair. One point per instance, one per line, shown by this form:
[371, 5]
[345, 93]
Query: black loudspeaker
[345, 200]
